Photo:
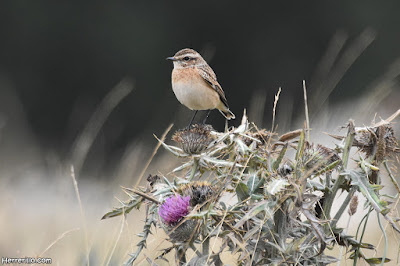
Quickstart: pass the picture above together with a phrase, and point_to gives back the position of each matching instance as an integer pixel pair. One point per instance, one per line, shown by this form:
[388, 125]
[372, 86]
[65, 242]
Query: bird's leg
[191, 121]
[208, 114]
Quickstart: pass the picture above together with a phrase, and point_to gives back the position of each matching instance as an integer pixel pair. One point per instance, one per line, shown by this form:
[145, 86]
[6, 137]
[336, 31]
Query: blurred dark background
[58, 60]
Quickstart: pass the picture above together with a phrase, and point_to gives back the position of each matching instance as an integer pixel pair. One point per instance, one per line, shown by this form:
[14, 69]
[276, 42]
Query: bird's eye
[186, 58]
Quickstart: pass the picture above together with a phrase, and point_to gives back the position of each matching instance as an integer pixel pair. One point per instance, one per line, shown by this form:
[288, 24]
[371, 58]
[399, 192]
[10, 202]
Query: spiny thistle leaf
[278, 160]
[328, 167]
[377, 260]
[276, 186]
[134, 203]
[254, 184]
[242, 191]
[259, 207]
[366, 189]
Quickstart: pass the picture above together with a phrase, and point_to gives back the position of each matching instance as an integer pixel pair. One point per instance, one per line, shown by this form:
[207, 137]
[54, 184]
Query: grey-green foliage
[267, 207]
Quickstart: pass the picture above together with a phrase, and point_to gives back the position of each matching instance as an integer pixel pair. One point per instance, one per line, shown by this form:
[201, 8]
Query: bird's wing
[209, 76]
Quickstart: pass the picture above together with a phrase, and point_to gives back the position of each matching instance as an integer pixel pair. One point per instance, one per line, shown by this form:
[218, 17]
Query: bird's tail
[227, 113]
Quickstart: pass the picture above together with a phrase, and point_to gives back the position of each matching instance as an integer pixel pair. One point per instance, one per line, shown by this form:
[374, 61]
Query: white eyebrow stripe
[190, 55]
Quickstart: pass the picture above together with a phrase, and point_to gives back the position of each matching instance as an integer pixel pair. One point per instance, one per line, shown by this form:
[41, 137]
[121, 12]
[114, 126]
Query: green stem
[206, 246]
[385, 237]
[198, 253]
[180, 255]
[343, 207]
[194, 168]
[396, 185]
[342, 247]
[328, 177]
[362, 236]
[330, 196]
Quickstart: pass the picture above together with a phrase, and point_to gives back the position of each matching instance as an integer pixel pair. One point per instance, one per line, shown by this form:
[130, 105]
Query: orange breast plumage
[193, 91]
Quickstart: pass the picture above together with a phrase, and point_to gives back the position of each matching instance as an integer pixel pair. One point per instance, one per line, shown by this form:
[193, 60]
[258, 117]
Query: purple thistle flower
[174, 208]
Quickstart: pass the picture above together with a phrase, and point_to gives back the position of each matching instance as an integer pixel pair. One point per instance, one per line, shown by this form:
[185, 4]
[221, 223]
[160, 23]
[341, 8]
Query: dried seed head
[317, 158]
[199, 192]
[380, 139]
[195, 139]
[353, 205]
[365, 140]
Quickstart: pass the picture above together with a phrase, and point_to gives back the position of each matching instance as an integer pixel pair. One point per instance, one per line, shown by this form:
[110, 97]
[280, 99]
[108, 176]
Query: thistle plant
[264, 204]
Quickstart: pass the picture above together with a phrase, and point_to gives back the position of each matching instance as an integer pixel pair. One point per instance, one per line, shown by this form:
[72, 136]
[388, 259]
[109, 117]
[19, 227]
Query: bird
[195, 84]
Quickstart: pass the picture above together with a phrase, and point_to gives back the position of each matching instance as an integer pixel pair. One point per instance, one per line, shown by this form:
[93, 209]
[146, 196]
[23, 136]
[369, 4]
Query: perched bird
[195, 84]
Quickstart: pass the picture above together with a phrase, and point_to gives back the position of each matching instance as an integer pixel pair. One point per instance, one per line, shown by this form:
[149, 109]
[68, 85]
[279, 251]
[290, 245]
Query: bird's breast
[193, 91]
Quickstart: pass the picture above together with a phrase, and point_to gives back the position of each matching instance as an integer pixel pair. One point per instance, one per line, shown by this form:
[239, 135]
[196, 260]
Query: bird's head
[186, 58]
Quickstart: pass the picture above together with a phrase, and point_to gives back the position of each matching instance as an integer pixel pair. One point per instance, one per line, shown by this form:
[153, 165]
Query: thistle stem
[194, 168]
[396, 185]
[357, 252]
[206, 246]
[385, 237]
[343, 207]
[330, 196]
[180, 255]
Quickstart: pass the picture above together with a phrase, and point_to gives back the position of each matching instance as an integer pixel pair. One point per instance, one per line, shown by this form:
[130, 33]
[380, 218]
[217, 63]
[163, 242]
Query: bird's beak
[171, 58]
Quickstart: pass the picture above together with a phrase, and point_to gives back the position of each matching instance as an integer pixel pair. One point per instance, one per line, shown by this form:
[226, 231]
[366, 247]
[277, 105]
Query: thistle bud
[199, 192]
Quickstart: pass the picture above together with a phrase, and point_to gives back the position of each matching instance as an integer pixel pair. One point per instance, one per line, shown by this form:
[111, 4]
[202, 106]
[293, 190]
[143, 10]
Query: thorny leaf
[328, 167]
[151, 220]
[259, 207]
[134, 203]
[347, 240]
[376, 260]
[315, 223]
[219, 163]
[365, 164]
[172, 149]
[278, 160]
[183, 166]
[242, 147]
[254, 183]
[204, 260]
[276, 186]
[242, 191]
[372, 261]
[366, 189]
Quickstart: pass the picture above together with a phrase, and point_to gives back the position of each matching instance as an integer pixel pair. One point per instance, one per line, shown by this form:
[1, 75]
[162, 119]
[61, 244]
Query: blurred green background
[58, 59]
